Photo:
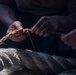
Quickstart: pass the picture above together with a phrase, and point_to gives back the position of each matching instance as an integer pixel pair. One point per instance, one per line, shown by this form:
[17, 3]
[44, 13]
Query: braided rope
[47, 63]
[40, 63]
[4, 38]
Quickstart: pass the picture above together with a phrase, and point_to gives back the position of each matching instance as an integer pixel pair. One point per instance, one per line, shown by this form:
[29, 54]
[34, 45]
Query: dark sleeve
[68, 23]
[10, 3]
[6, 2]
[72, 9]
[71, 14]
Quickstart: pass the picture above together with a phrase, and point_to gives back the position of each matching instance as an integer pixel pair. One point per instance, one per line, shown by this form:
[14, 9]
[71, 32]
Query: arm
[8, 18]
[7, 15]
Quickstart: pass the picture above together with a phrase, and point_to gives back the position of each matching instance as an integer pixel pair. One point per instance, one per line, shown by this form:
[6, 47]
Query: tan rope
[4, 38]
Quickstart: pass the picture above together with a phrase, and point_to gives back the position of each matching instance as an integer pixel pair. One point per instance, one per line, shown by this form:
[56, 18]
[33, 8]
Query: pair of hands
[44, 27]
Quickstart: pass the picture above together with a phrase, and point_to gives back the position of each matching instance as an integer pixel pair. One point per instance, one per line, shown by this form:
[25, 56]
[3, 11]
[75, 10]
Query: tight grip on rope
[4, 38]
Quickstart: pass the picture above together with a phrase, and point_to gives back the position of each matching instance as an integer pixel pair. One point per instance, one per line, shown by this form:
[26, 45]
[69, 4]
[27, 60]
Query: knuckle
[74, 32]
[44, 32]
[40, 34]
[39, 29]
[8, 31]
[45, 35]
[44, 17]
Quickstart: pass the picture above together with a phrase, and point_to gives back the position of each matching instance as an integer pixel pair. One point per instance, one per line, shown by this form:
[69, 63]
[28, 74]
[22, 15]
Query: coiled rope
[40, 63]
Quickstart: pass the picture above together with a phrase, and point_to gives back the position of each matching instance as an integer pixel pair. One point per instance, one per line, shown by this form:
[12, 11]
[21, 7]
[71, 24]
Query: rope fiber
[15, 61]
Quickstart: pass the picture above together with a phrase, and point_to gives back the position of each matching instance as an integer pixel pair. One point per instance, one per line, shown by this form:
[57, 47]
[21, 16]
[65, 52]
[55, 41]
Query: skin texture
[70, 39]
[21, 35]
[8, 17]
[45, 26]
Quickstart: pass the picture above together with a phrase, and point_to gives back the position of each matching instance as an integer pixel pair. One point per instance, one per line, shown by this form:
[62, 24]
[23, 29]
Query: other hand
[21, 35]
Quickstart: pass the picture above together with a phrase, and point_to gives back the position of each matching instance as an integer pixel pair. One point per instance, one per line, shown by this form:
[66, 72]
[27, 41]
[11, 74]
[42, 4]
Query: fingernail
[25, 32]
[20, 28]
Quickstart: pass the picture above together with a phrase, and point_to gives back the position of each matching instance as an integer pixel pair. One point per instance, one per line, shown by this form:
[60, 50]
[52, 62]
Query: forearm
[7, 15]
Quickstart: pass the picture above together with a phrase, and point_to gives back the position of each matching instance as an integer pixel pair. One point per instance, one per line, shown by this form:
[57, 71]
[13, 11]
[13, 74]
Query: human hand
[70, 39]
[45, 26]
[21, 35]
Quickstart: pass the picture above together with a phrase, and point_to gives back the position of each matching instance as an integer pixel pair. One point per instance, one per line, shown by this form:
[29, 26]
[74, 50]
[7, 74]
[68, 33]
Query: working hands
[21, 35]
[70, 39]
[45, 26]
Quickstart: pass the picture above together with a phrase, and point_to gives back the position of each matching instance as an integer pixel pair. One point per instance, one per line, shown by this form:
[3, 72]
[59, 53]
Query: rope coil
[37, 62]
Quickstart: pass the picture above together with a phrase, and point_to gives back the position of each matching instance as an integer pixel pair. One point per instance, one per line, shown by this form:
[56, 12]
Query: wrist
[7, 22]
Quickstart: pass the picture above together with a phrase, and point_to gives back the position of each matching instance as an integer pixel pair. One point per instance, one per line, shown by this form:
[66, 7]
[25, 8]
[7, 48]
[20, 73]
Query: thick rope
[39, 63]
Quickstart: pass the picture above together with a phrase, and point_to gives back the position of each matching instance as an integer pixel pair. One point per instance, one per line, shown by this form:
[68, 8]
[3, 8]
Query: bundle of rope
[35, 63]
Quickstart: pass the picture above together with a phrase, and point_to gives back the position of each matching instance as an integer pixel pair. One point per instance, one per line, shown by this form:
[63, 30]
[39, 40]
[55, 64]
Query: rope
[4, 38]
[39, 63]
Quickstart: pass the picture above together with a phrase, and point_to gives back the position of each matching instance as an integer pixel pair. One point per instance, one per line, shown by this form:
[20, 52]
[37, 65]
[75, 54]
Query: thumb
[62, 36]
[18, 25]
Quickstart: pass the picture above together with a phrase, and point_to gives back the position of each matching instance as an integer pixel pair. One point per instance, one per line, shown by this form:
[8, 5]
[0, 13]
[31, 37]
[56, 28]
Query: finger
[19, 34]
[38, 24]
[44, 31]
[14, 39]
[73, 45]
[10, 30]
[25, 31]
[74, 48]
[18, 25]
[70, 35]
[42, 27]
[46, 34]
[66, 38]
[71, 42]
[18, 38]
[22, 37]
[62, 36]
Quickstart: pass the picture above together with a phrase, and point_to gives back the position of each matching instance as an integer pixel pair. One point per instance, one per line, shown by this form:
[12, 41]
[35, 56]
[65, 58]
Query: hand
[70, 39]
[21, 35]
[45, 26]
